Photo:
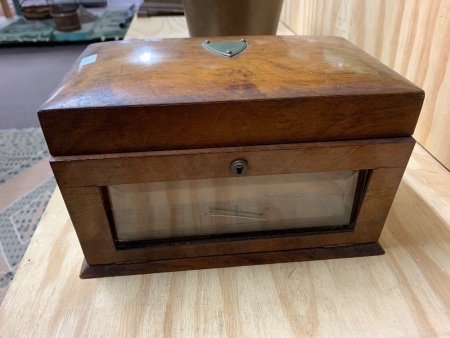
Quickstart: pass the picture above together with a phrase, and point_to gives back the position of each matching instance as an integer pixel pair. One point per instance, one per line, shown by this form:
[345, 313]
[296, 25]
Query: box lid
[176, 94]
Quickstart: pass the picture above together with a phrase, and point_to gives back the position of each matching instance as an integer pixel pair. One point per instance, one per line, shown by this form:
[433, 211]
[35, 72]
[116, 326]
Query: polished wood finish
[159, 166]
[85, 202]
[411, 37]
[171, 110]
[223, 261]
[403, 293]
[175, 94]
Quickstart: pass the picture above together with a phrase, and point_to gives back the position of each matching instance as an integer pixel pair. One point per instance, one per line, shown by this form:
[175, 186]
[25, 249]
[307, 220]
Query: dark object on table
[36, 12]
[232, 17]
[66, 18]
[171, 156]
[92, 3]
[128, 18]
[159, 8]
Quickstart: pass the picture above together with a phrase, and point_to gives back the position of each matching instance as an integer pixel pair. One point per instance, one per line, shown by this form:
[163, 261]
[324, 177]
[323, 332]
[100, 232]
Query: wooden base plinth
[196, 263]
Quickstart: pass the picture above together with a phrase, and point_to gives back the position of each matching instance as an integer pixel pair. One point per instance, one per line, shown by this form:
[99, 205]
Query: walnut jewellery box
[188, 154]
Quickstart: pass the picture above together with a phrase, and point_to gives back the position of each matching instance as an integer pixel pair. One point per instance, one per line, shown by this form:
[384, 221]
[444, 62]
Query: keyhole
[239, 167]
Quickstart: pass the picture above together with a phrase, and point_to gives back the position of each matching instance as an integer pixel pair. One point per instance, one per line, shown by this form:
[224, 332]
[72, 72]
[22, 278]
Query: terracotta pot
[232, 17]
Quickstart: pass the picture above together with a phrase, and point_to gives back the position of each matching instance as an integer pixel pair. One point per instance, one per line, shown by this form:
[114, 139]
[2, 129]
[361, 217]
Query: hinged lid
[176, 94]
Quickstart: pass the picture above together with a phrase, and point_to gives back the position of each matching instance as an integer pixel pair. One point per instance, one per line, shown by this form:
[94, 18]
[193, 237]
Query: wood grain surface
[84, 198]
[182, 71]
[403, 293]
[175, 94]
[412, 37]
[192, 164]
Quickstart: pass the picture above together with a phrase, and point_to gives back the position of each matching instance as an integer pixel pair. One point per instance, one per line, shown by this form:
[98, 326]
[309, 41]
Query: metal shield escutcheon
[226, 48]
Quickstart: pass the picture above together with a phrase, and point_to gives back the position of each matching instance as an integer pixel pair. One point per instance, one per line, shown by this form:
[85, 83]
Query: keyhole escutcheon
[239, 167]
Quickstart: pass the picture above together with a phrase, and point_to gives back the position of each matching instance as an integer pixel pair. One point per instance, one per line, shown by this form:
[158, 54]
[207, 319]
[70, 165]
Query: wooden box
[188, 154]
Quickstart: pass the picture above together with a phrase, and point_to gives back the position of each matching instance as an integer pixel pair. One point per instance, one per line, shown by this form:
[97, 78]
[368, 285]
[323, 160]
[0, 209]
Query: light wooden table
[404, 293]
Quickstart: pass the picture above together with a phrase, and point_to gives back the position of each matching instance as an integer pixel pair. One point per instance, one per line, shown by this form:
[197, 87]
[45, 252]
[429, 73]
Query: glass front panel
[216, 206]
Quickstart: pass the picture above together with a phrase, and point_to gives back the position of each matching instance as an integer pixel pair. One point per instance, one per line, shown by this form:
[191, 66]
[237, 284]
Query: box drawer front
[166, 205]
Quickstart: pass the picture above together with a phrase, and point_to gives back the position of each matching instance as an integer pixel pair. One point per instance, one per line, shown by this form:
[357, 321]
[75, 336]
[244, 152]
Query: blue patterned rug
[26, 184]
